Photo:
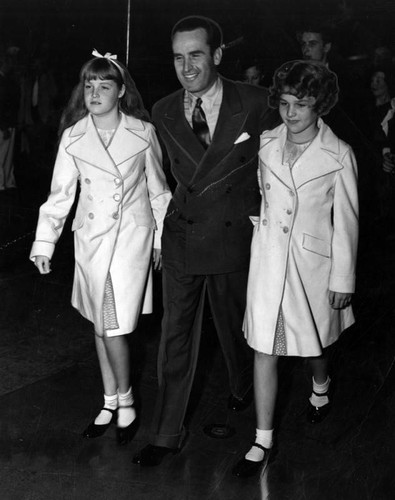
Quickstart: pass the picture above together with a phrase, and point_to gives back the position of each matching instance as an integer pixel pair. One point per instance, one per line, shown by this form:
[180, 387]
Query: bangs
[100, 69]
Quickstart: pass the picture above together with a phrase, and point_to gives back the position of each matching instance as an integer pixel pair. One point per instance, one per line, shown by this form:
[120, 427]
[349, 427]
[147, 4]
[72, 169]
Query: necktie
[199, 124]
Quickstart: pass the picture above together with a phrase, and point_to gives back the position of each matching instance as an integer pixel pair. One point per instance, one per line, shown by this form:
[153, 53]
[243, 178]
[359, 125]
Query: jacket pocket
[144, 220]
[316, 245]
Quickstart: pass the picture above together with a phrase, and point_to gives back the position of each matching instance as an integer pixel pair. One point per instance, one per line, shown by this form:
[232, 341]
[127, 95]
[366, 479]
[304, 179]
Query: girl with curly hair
[303, 253]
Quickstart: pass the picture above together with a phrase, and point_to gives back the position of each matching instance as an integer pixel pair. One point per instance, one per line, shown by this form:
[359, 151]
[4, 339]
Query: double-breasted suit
[206, 244]
[304, 244]
[122, 202]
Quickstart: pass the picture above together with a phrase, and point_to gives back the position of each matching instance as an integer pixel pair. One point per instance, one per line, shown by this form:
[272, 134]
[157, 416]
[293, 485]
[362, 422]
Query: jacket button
[117, 196]
[285, 229]
[267, 186]
[228, 223]
[115, 215]
[91, 215]
[264, 222]
[87, 181]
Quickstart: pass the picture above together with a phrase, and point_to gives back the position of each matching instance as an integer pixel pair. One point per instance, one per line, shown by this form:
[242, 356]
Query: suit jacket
[122, 203]
[216, 188]
[304, 243]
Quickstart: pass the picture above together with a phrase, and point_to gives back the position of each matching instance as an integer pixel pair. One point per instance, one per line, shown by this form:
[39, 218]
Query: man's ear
[217, 56]
[327, 47]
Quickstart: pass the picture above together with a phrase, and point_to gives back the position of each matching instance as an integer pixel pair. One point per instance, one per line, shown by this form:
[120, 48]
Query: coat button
[117, 196]
[264, 222]
[117, 181]
[91, 215]
[90, 197]
[115, 215]
[289, 211]
[266, 204]
[291, 193]
[285, 229]
[267, 186]
[87, 181]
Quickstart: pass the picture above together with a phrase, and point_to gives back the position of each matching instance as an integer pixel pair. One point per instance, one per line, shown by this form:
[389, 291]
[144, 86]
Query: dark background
[66, 31]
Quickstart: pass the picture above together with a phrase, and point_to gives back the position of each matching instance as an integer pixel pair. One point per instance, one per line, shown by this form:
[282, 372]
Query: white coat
[304, 244]
[122, 203]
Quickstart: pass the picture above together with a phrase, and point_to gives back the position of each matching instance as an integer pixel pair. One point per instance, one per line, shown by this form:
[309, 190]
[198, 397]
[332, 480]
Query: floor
[50, 390]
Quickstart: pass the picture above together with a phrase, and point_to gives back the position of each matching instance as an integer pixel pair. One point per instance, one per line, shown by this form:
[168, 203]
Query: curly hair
[305, 79]
[100, 68]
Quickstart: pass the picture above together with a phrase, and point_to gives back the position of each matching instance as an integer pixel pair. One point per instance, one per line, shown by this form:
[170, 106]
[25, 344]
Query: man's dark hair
[319, 27]
[190, 23]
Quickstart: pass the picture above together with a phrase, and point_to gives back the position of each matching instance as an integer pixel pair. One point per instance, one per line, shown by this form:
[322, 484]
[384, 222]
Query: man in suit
[207, 232]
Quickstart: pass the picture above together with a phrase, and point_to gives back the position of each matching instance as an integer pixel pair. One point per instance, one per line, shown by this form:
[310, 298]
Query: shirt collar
[208, 99]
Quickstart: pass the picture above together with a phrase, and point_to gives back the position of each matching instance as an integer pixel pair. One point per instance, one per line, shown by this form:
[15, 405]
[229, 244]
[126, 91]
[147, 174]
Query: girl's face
[101, 97]
[299, 117]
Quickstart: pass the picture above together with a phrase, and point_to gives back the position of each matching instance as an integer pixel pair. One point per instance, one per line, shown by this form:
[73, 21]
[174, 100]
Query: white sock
[316, 399]
[264, 438]
[126, 412]
[104, 417]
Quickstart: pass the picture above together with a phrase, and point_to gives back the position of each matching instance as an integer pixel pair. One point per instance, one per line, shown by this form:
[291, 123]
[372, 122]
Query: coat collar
[87, 146]
[306, 168]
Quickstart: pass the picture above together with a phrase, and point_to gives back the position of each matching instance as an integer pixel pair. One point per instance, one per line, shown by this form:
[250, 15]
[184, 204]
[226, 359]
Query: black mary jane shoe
[152, 455]
[126, 434]
[93, 430]
[316, 415]
[248, 468]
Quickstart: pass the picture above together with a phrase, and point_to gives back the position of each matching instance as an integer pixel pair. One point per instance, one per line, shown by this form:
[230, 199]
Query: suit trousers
[183, 299]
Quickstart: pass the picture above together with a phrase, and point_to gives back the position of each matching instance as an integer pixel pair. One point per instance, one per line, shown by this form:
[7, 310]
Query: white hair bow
[107, 55]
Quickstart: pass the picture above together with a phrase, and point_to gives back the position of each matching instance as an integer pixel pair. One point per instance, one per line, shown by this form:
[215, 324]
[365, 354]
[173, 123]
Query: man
[207, 231]
[315, 44]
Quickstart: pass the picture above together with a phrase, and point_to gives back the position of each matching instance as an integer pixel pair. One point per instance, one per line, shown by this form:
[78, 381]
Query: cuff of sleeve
[342, 284]
[42, 248]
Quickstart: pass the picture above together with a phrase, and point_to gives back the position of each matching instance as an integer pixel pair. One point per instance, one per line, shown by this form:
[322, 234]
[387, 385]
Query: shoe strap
[321, 394]
[257, 445]
[113, 412]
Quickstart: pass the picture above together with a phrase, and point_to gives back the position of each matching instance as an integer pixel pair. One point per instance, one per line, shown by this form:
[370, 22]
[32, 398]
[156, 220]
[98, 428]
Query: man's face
[195, 66]
[313, 47]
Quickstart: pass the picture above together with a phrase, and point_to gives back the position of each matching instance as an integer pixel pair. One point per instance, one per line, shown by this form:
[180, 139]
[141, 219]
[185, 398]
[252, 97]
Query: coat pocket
[316, 245]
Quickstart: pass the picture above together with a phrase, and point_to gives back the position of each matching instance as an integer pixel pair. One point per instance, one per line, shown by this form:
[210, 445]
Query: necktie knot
[199, 124]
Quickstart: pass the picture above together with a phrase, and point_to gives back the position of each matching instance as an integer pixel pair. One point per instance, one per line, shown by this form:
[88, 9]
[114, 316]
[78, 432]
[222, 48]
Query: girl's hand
[157, 258]
[43, 264]
[339, 300]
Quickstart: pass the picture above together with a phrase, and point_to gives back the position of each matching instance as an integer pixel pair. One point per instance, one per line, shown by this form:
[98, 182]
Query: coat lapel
[88, 147]
[325, 146]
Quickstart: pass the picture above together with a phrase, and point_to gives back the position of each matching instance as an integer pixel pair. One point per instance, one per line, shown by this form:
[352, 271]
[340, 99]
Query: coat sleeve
[159, 192]
[345, 227]
[54, 211]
